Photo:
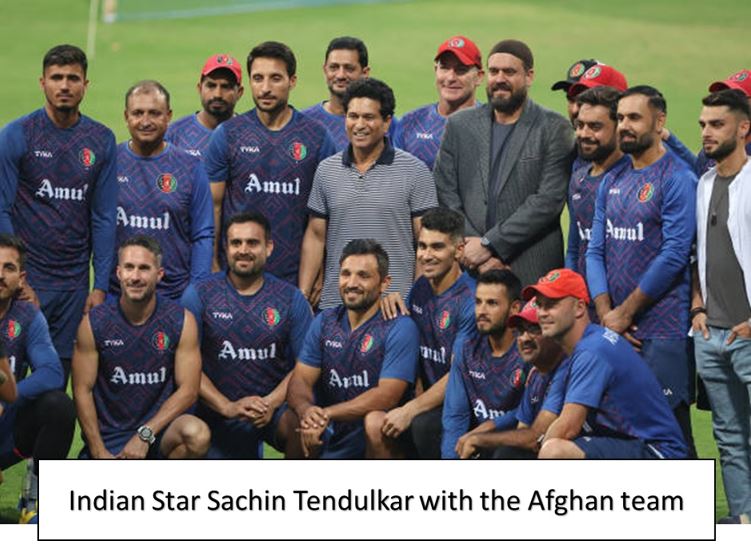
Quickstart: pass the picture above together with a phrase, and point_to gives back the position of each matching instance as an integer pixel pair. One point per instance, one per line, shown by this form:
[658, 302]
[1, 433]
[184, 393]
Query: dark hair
[735, 100]
[444, 221]
[349, 43]
[505, 278]
[144, 241]
[221, 72]
[8, 240]
[604, 96]
[518, 49]
[147, 86]
[65, 54]
[374, 89]
[274, 50]
[367, 246]
[656, 100]
[249, 217]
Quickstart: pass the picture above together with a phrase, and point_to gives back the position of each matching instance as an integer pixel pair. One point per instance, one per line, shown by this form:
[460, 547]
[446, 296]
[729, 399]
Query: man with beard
[721, 296]
[638, 256]
[505, 166]
[541, 401]
[741, 81]
[163, 192]
[252, 327]
[487, 374]
[137, 368]
[220, 88]
[458, 73]
[354, 361]
[346, 60]
[441, 302]
[612, 406]
[41, 421]
[597, 145]
[266, 159]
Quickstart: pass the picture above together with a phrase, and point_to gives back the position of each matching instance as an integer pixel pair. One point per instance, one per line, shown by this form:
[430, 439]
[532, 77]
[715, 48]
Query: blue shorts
[615, 448]
[669, 360]
[115, 442]
[63, 311]
[350, 445]
[238, 439]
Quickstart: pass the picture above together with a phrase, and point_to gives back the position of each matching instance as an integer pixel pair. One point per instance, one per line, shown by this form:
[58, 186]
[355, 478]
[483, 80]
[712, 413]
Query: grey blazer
[535, 170]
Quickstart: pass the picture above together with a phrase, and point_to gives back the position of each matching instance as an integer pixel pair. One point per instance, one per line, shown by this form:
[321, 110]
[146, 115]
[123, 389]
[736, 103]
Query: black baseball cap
[574, 73]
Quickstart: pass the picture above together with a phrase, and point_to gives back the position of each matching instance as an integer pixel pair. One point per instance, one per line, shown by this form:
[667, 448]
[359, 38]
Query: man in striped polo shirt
[369, 190]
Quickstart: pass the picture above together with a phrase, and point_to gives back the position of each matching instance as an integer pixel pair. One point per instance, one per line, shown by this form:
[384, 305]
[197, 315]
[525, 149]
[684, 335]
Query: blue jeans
[726, 372]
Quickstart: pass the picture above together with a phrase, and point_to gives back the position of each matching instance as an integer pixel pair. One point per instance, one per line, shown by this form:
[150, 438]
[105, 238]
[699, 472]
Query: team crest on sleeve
[646, 193]
[13, 330]
[517, 378]
[87, 157]
[271, 316]
[445, 320]
[166, 183]
[367, 343]
[298, 151]
[160, 341]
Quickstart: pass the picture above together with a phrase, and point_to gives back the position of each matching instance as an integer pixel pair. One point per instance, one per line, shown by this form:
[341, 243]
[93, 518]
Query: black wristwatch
[146, 434]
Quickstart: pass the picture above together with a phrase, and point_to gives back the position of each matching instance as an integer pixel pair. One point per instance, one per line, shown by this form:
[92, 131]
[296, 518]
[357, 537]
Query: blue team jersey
[249, 343]
[168, 198]
[643, 229]
[58, 192]
[440, 320]
[481, 387]
[543, 392]
[419, 132]
[31, 356]
[189, 135]
[353, 362]
[582, 192]
[136, 372]
[270, 172]
[623, 395]
[334, 123]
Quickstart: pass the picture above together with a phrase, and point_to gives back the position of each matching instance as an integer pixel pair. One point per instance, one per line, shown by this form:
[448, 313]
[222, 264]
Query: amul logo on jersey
[48, 190]
[272, 187]
[630, 234]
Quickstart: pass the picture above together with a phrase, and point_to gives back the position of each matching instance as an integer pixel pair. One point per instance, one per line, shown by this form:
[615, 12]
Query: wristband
[697, 311]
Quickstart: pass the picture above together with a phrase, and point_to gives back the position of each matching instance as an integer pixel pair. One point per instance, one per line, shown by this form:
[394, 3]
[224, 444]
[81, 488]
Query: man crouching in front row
[137, 367]
[353, 360]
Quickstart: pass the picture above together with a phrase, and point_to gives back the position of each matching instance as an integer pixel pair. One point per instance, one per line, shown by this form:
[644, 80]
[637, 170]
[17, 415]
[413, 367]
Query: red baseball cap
[223, 61]
[464, 49]
[599, 75]
[528, 313]
[557, 284]
[741, 80]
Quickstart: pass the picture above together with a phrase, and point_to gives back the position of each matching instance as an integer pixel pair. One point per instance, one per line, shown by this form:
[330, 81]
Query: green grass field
[677, 46]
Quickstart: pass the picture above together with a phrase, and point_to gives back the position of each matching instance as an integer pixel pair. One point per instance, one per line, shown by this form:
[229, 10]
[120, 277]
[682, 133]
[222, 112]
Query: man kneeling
[137, 367]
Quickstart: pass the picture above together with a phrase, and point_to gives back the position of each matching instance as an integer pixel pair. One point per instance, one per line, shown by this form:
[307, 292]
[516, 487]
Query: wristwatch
[485, 242]
[146, 434]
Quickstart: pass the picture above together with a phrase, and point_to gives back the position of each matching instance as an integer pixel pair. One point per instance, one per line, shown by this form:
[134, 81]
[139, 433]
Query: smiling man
[265, 159]
[458, 73]
[354, 361]
[220, 88]
[368, 190]
[505, 166]
[346, 60]
[57, 169]
[163, 192]
[252, 328]
[137, 368]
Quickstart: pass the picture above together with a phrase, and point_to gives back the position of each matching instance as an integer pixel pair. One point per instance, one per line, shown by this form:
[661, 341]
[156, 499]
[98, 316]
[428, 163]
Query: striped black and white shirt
[378, 204]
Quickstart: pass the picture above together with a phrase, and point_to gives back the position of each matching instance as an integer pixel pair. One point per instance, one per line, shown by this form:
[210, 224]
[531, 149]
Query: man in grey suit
[505, 166]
